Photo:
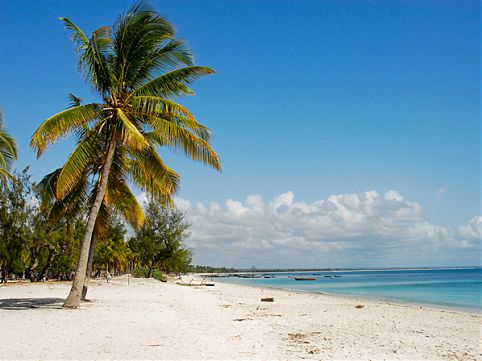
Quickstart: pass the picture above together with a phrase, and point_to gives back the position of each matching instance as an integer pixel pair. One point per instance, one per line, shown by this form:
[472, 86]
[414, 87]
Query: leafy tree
[159, 242]
[179, 262]
[63, 245]
[53, 236]
[30, 245]
[136, 69]
[16, 208]
[113, 253]
[8, 151]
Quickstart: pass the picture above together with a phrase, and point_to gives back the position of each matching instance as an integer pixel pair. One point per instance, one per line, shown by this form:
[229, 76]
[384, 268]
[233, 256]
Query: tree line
[37, 245]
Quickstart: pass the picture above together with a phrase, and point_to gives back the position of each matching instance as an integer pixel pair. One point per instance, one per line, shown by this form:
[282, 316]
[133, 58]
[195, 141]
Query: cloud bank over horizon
[366, 229]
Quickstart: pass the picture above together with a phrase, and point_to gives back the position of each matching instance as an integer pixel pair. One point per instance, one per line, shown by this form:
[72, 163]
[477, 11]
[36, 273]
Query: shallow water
[451, 288]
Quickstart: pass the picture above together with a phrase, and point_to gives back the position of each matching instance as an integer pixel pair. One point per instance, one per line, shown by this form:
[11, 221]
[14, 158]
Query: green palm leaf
[62, 124]
[129, 208]
[173, 83]
[77, 164]
[92, 55]
[167, 57]
[8, 150]
[153, 172]
[71, 205]
[182, 140]
[131, 136]
[151, 108]
[135, 36]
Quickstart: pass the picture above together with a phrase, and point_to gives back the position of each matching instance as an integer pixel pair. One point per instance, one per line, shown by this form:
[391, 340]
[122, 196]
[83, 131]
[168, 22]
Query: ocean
[459, 288]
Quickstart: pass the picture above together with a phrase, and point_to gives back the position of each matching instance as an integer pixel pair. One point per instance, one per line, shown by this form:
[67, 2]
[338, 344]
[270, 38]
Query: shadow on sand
[27, 303]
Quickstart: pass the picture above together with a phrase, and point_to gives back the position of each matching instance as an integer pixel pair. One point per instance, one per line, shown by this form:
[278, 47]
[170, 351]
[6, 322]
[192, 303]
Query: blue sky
[317, 98]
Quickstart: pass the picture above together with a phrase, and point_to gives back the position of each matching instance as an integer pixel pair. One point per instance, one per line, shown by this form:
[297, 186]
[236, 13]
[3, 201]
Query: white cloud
[236, 208]
[440, 193]
[364, 229]
[473, 230]
[182, 204]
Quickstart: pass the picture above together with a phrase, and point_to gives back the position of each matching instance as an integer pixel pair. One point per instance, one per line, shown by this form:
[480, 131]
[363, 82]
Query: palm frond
[129, 207]
[74, 101]
[8, 148]
[169, 56]
[131, 136]
[136, 34]
[174, 82]
[4, 174]
[104, 219]
[61, 124]
[170, 135]
[77, 164]
[146, 107]
[92, 55]
[149, 172]
[71, 206]
[46, 189]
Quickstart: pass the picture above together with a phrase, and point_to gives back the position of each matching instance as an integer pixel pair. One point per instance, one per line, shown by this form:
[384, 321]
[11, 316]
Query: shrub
[142, 272]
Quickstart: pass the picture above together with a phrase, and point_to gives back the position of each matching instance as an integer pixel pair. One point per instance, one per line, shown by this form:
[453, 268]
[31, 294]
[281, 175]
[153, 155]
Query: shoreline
[468, 310]
[149, 319]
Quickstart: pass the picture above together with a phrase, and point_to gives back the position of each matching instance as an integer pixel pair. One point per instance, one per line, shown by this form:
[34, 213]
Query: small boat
[305, 278]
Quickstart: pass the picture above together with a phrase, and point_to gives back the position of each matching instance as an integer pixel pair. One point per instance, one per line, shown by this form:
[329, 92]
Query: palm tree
[136, 69]
[8, 151]
[79, 199]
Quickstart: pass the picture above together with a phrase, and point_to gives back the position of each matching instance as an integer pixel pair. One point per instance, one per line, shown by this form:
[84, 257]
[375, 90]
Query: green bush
[158, 275]
[142, 272]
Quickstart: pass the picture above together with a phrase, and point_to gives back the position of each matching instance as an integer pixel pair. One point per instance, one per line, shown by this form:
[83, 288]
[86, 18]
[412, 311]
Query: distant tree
[211, 269]
[54, 234]
[30, 244]
[161, 237]
[16, 209]
[179, 262]
[64, 249]
[112, 253]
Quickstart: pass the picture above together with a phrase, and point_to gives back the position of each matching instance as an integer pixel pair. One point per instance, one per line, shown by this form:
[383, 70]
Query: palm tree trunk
[73, 299]
[85, 288]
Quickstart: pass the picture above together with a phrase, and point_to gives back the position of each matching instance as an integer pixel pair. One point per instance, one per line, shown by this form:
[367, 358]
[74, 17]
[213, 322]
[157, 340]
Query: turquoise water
[449, 288]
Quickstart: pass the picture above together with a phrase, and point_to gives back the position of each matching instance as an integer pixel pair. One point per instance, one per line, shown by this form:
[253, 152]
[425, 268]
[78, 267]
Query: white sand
[153, 320]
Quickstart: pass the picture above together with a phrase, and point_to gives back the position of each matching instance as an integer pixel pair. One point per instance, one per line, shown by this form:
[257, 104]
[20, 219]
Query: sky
[349, 131]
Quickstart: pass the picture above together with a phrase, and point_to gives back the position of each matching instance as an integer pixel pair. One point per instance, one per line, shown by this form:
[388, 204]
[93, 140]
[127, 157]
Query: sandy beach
[152, 320]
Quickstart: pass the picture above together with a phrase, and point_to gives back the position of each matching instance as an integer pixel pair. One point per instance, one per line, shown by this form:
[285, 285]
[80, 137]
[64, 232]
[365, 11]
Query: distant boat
[305, 278]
